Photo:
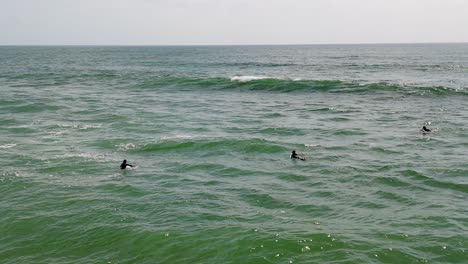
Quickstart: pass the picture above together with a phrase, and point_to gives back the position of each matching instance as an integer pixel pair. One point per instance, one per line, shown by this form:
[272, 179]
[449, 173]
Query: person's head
[293, 152]
[125, 161]
[424, 127]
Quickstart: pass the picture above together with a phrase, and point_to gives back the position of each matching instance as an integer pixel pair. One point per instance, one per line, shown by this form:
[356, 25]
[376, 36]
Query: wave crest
[248, 78]
[284, 84]
[225, 145]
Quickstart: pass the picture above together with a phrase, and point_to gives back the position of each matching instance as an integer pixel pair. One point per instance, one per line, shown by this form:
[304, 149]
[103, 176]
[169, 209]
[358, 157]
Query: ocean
[210, 130]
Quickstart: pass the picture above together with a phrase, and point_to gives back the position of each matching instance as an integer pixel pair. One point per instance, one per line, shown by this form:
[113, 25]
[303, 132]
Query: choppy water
[211, 130]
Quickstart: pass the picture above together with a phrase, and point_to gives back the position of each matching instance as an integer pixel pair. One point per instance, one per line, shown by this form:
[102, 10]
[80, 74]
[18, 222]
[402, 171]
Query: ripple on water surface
[214, 182]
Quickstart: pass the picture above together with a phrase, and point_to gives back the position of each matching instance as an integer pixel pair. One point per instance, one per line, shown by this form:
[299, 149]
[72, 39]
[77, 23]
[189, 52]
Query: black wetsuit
[425, 129]
[295, 156]
[124, 165]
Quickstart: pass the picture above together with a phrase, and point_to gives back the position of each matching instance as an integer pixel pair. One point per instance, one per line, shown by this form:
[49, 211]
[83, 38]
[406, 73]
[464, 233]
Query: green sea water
[210, 130]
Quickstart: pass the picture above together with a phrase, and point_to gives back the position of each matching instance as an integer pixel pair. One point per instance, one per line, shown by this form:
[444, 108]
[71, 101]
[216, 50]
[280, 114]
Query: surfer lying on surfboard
[295, 156]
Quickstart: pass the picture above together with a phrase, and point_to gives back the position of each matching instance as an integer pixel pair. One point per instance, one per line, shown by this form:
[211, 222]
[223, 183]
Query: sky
[231, 22]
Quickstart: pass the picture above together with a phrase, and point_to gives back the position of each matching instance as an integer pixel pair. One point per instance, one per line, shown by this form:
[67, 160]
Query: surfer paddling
[295, 156]
[425, 130]
[124, 165]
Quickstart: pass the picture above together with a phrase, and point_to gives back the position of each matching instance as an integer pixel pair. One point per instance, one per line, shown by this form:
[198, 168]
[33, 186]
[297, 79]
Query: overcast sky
[231, 22]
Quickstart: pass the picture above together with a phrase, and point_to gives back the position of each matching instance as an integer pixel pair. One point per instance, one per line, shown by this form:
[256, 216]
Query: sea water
[210, 130]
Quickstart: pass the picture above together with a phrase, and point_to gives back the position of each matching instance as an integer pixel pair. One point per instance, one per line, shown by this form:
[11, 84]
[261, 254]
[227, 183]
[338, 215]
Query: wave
[34, 108]
[434, 182]
[282, 131]
[256, 64]
[237, 145]
[285, 84]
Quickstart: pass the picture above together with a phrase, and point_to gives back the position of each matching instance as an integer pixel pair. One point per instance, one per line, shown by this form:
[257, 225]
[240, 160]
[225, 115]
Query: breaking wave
[284, 84]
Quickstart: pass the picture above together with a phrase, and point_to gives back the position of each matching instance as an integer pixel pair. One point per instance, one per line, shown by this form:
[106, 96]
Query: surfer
[124, 165]
[295, 156]
[424, 129]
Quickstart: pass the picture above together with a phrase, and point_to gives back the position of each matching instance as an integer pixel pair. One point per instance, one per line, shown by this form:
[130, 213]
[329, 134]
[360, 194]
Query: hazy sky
[186, 22]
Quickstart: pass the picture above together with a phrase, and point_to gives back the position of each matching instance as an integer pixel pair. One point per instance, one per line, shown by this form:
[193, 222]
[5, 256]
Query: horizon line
[226, 45]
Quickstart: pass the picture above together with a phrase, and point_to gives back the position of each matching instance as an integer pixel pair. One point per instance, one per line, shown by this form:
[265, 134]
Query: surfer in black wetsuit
[295, 156]
[124, 165]
[424, 129]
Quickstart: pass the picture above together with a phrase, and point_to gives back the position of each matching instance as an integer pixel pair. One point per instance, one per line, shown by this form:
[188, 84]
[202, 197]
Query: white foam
[9, 173]
[176, 137]
[7, 146]
[89, 155]
[249, 78]
[125, 147]
[80, 126]
[57, 133]
[89, 126]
